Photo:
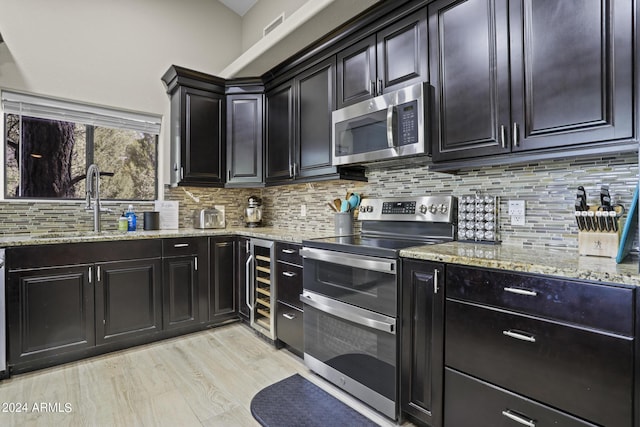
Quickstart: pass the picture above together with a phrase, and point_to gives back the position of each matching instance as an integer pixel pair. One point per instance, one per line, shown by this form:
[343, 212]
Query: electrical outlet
[516, 207]
[303, 210]
[517, 220]
[516, 212]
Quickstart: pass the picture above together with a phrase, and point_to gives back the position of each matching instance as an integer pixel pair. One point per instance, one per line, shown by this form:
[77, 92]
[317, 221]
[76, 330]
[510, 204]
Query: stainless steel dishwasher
[3, 320]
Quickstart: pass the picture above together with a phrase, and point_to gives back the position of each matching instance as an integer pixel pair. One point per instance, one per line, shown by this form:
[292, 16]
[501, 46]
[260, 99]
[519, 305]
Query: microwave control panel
[407, 123]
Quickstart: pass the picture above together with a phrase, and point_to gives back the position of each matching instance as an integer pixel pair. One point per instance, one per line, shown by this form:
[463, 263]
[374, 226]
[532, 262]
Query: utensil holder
[343, 223]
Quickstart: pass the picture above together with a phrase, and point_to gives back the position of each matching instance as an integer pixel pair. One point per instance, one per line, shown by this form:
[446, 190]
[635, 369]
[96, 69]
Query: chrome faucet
[93, 190]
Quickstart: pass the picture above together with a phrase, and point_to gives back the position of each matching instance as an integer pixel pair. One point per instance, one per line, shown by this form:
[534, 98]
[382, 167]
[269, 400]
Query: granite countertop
[269, 233]
[554, 262]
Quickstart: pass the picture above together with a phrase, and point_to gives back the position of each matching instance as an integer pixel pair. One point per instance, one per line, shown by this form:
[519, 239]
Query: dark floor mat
[296, 402]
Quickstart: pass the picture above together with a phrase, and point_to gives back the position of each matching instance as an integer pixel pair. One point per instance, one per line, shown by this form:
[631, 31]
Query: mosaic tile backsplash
[548, 189]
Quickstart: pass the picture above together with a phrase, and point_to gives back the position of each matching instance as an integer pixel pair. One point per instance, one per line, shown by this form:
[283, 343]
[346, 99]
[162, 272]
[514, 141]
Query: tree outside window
[47, 158]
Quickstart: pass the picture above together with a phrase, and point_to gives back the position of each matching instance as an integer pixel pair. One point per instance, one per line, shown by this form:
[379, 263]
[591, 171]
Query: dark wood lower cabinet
[127, 299]
[469, 402]
[222, 294]
[49, 311]
[422, 341]
[180, 292]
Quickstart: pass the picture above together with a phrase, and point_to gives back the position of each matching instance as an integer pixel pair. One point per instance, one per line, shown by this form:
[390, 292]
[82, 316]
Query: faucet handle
[108, 210]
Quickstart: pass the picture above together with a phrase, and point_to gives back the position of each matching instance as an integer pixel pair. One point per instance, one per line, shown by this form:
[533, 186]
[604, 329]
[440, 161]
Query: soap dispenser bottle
[131, 217]
[123, 222]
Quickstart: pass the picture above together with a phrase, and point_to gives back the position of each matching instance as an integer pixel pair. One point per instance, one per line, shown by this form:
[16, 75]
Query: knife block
[599, 243]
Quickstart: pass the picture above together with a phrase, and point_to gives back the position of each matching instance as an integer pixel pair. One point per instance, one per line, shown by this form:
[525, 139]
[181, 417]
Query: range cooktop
[392, 224]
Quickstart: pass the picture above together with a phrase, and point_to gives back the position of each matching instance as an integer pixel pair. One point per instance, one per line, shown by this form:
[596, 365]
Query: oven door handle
[351, 314]
[350, 260]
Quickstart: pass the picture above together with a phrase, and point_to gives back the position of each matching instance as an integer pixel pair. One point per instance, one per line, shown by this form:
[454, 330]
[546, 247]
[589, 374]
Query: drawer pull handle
[521, 291]
[288, 316]
[519, 336]
[181, 245]
[518, 418]
[288, 251]
[288, 274]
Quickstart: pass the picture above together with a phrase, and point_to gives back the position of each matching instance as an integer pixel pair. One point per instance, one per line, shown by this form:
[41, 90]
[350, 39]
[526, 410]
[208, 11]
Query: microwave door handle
[390, 133]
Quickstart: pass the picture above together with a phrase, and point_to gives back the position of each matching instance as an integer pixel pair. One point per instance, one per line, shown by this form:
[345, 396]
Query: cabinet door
[402, 52]
[422, 341]
[280, 136]
[203, 145]
[357, 72]
[572, 72]
[222, 296]
[128, 299]
[244, 139]
[243, 274]
[470, 72]
[49, 313]
[315, 102]
[180, 292]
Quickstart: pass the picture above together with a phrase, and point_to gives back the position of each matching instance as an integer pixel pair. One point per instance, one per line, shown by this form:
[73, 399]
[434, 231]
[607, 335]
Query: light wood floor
[202, 379]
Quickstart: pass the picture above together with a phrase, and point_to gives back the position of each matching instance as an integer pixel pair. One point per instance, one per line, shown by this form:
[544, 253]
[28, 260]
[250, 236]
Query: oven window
[372, 290]
[363, 354]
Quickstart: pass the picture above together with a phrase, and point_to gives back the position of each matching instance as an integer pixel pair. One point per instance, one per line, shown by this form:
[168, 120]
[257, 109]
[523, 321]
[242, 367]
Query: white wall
[113, 52]
[262, 14]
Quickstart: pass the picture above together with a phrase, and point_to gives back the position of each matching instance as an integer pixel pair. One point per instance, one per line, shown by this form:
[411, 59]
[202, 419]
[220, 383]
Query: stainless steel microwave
[392, 125]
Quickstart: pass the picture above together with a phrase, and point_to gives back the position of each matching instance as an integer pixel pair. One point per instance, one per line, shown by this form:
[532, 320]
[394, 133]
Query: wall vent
[273, 25]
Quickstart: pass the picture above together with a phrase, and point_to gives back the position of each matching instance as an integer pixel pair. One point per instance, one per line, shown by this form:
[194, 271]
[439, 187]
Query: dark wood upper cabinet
[394, 57]
[316, 93]
[198, 138]
[298, 130]
[357, 76]
[470, 72]
[279, 133]
[245, 139]
[521, 75]
[572, 72]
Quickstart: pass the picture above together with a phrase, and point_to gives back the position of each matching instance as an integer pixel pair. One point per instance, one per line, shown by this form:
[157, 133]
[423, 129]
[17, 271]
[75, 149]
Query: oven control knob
[369, 208]
[443, 208]
[433, 209]
[363, 208]
[423, 209]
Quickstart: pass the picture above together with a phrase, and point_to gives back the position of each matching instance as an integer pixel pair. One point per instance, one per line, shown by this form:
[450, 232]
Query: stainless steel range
[351, 294]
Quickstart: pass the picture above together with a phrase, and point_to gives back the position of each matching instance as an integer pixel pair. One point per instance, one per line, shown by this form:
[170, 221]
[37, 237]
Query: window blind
[77, 112]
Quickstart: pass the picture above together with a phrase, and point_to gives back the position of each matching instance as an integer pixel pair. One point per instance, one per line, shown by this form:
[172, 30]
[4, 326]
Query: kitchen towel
[295, 401]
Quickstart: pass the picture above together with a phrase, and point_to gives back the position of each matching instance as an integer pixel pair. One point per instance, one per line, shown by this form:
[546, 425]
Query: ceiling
[239, 6]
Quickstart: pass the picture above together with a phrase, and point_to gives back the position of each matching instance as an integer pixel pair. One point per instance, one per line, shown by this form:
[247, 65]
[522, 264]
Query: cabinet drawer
[583, 372]
[469, 402]
[288, 252]
[289, 326]
[289, 284]
[592, 305]
[180, 246]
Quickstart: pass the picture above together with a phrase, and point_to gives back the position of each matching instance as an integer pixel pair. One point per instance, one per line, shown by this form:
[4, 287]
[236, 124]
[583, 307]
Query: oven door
[363, 281]
[353, 348]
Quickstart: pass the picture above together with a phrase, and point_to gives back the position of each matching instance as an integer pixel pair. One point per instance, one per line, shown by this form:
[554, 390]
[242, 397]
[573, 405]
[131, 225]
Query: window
[49, 144]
